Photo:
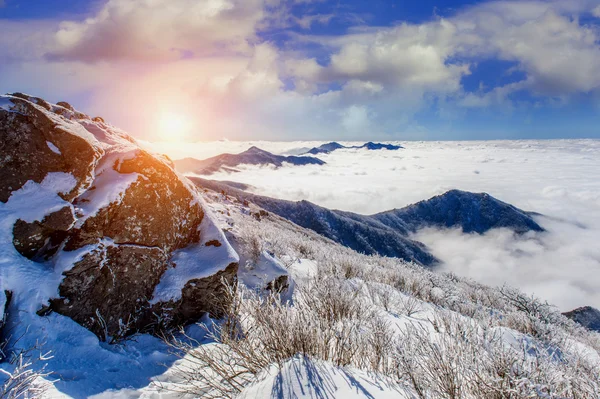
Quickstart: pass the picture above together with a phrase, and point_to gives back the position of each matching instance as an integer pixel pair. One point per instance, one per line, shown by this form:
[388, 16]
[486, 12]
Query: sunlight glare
[173, 127]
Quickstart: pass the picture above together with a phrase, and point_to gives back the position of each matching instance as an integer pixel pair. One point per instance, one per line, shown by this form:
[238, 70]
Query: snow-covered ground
[83, 367]
[409, 303]
[558, 178]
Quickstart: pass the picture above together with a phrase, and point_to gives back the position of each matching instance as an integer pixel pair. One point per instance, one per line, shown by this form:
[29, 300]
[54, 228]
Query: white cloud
[356, 118]
[206, 58]
[562, 265]
[159, 30]
[415, 56]
[306, 21]
[596, 12]
[558, 55]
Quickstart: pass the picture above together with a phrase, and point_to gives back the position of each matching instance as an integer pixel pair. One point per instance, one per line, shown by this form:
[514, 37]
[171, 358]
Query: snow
[266, 269]
[302, 268]
[2, 303]
[110, 186]
[312, 379]
[84, 367]
[31, 202]
[196, 261]
[80, 364]
[6, 104]
[53, 148]
[557, 178]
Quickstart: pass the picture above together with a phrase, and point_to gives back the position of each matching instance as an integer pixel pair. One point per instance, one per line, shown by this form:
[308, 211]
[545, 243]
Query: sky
[188, 70]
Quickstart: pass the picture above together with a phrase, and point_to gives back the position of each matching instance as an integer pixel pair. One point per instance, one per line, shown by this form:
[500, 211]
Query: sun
[173, 126]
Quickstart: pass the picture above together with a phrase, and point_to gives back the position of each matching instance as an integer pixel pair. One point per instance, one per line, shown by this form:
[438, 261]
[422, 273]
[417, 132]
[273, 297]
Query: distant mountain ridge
[388, 233]
[252, 156]
[587, 316]
[330, 147]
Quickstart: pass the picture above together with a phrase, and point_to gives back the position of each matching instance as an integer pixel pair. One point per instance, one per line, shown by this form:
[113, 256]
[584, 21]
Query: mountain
[330, 147]
[205, 295]
[98, 230]
[587, 316]
[388, 233]
[252, 156]
[472, 212]
[325, 148]
[379, 146]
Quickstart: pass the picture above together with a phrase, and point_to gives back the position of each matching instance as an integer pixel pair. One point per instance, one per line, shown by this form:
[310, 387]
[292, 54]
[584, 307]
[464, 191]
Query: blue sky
[311, 69]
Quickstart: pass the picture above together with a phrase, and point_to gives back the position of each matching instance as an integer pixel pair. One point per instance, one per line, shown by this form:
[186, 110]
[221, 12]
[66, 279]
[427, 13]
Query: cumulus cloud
[403, 56]
[238, 85]
[159, 30]
[557, 53]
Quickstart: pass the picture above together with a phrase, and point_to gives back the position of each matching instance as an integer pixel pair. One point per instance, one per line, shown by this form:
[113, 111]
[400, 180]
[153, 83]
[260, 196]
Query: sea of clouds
[559, 179]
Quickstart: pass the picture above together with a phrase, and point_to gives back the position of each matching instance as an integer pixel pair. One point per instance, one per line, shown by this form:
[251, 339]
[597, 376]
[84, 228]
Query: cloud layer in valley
[262, 69]
[560, 179]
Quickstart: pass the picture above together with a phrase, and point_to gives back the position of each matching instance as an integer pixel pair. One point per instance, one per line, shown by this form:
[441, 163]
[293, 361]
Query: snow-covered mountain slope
[388, 233]
[472, 212]
[111, 238]
[96, 229]
[330, 147]
[375, 327]
[252, 156]
[345, 325]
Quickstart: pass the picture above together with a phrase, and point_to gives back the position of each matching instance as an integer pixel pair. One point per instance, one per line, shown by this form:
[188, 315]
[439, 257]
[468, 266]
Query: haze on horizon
[184, 70]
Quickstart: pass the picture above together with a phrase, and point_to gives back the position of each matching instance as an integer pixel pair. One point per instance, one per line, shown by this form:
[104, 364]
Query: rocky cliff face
[117, 223]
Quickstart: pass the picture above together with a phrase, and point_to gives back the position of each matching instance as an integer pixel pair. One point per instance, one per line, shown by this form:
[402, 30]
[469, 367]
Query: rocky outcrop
[33, 139]
[156, 210]
[122, 220]
[40, 240]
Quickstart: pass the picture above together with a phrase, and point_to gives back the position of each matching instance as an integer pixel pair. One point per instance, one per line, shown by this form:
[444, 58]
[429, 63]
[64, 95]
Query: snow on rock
[53, 148]
[6, 104]
[90, 223]
[109, 188]
[312, 379]
[197, 261]
[267, 273]
[25, 155]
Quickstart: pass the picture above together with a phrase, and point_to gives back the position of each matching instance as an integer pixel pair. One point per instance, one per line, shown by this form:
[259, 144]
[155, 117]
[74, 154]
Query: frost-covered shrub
[23, 376]
[442, 335]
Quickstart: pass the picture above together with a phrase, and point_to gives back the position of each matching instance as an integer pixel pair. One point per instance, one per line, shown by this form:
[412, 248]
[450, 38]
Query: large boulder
[123, 224]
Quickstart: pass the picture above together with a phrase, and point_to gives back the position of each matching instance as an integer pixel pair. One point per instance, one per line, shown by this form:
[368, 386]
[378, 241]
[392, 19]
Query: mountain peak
[252, 156]
[473, 212]
[254, 149]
